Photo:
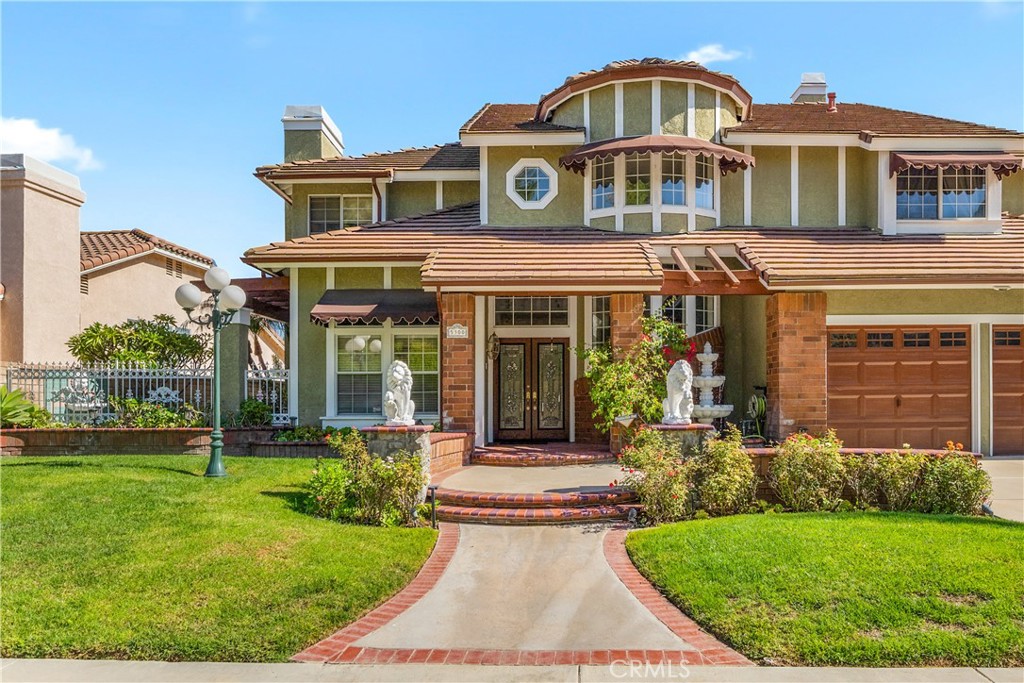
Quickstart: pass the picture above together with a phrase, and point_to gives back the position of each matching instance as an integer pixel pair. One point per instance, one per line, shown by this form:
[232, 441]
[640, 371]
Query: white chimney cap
[811, 89]
[313, 117]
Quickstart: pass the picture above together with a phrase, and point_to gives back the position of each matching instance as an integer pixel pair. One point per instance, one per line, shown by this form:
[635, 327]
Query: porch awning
[728, 159]
[375, 306]
[1001, 163]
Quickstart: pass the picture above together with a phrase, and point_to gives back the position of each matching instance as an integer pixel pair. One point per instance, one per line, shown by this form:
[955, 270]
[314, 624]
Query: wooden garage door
[888, 386]
[1007, 390]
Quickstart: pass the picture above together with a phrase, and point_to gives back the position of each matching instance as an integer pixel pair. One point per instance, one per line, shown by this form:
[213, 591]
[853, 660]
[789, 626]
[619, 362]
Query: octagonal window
[532, 183]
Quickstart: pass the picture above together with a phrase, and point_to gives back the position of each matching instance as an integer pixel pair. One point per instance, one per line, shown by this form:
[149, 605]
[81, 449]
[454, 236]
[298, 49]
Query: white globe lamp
[188, 296]
[231, 298]
[217, 279]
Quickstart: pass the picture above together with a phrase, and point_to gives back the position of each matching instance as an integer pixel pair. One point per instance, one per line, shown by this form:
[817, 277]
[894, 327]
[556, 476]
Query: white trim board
[926, 319]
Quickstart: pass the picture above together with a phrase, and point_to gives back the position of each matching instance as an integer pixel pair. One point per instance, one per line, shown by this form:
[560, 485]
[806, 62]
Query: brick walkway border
[712, 650]
[338, 648]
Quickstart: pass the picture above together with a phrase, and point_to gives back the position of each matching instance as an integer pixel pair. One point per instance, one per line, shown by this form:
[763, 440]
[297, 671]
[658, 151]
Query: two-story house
[862, 263]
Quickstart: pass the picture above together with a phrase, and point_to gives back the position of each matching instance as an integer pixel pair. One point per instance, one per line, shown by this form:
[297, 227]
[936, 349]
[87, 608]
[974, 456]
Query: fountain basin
[707, 414]
[713, 382]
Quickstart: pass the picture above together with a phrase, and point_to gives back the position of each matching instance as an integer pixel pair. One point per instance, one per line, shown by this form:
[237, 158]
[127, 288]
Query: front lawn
[858, 589]
[141, 557]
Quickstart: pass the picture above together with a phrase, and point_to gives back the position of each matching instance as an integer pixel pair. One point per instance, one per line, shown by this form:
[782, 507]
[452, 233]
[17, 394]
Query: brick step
[482, 499]
[532, 516]
[539, 459]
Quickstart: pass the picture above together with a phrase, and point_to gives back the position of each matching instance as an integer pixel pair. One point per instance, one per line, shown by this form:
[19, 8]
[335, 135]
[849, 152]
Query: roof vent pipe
[832, 103]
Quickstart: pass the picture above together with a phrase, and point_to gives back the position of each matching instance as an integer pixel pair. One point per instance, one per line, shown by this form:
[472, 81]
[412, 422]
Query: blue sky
[165, 109]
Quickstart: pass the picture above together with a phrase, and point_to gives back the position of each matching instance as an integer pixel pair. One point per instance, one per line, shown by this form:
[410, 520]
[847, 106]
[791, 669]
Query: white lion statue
[678, 406]
[398, 403]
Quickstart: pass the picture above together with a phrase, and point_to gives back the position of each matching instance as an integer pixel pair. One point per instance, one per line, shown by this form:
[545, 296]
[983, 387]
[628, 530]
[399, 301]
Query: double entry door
[531, 384]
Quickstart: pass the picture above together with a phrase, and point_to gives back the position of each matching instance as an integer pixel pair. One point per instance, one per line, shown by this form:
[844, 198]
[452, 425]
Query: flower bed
[106, 441]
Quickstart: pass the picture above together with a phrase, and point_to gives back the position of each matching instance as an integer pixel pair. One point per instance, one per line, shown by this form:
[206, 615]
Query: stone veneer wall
[796, 349]
[458, 374]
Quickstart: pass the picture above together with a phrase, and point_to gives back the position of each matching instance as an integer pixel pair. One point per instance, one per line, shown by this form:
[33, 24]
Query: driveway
[1007, 474]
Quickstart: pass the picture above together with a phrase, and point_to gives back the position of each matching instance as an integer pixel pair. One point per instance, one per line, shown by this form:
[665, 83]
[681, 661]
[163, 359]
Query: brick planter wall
[449, 450]
[287, 449]
[105, 441]
[239, 440]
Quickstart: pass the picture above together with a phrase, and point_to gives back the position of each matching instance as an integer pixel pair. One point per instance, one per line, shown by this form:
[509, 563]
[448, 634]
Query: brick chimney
[309, 133]
[811, 89]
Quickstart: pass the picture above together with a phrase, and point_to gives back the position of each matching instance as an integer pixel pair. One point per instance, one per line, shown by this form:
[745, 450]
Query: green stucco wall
[1013, 194]
[861, 187]
[410, 198]
[673, 108]
[405, 278]
[743, 323]
[674, 222]
[637, 222]
[704, 112]
[819, 186]
[769, 187]
[307, 144]
[455, 192]
[603, 223]
[602, 113]
[728, 117]
[704, 222]
[924, 301]
[569, 113]
[636, 108]
[358, 278]
[297, 213]
[312, 360]
[565, 209]
[732, 198]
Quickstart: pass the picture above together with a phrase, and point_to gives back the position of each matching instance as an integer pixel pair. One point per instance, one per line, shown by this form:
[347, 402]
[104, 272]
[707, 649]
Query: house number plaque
[457, 331]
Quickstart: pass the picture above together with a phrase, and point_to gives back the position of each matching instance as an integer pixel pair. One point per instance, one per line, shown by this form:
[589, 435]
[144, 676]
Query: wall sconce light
[493, 347]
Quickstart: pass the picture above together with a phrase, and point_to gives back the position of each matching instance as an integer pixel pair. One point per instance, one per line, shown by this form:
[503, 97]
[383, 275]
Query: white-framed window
[531, 183]
[601, 321]
[602, 183]
[333, 212]
[531, 311]
[363, 355]
[695, 313]
[673, 180]
[638, 179]
[705, 310]
[940, 194]
[705, 182]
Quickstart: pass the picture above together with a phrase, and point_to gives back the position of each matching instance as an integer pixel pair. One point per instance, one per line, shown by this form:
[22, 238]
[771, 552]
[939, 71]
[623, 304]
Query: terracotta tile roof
[509, 118]
[450, 156]
[626, 64]
[455, 248]
[812, 117]
[830, 256]
[106, 246]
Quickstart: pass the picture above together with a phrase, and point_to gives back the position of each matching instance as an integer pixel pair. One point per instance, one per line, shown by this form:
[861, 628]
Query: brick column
[458, 374]
[796, 349]
[626, 311]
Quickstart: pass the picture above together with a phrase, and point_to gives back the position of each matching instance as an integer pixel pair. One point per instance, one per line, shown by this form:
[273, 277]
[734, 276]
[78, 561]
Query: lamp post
[227, 300]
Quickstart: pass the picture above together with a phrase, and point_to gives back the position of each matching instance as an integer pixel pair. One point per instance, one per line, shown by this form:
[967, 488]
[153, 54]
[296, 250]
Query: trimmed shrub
[724, 478]
[661, 479]
[329, 493]
[953, 484]
[253, 413]
[861, 471]
[898, 474]
[133, 413]
[808, 474]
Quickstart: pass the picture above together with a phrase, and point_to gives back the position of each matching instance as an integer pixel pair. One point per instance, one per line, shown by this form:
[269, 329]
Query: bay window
[673, 180]
[705, 182]
[638, 179]
[603, 183]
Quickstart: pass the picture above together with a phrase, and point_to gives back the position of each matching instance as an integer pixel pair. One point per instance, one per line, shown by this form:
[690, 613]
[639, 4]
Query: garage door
[1007, 391]
[890, 386]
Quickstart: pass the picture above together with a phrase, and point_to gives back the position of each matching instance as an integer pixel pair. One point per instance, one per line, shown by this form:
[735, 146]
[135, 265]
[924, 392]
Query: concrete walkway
[1007, 474]
[84, 671]
[560, 479]
[527, 588]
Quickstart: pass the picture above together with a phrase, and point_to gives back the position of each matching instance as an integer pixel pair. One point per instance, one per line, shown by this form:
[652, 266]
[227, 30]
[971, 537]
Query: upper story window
[332, 212]
[673, 180]
[638, 180]
[933, 194]
[705, 182]
[603, 183]
[531, 183]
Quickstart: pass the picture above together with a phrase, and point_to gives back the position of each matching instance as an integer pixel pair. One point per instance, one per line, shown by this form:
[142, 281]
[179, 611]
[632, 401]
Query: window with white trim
[333, 212]
[705, 309]
[601, 321]
[363, 357]
[360, 373]
[674, 308]
[535, 311]
[918, 196]
[532, 184]
[638, 179]
[705, 182]
[421, 352]
[695, 314]
[673, 180]
[602, 183]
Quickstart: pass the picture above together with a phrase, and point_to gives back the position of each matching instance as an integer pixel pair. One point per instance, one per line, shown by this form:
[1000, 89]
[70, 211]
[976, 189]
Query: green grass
[140, 557]
[859, 589]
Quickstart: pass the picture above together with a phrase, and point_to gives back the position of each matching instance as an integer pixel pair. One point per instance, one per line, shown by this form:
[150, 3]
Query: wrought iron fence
[81, 394]
[269, 385]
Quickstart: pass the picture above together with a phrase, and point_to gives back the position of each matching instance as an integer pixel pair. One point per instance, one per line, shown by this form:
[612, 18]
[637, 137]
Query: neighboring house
[129, 274]
[858, 261]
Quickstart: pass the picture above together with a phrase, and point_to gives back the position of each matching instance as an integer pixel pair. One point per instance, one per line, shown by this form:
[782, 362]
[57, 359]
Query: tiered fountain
[706, 411]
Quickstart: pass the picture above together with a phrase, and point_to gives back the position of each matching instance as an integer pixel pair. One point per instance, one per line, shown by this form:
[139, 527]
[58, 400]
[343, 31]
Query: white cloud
[706, 54]
[26, 136]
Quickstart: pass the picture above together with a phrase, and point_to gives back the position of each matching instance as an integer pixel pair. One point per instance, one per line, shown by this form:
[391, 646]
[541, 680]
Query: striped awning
[728, 159]
[375, 306]
[1001, 163]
